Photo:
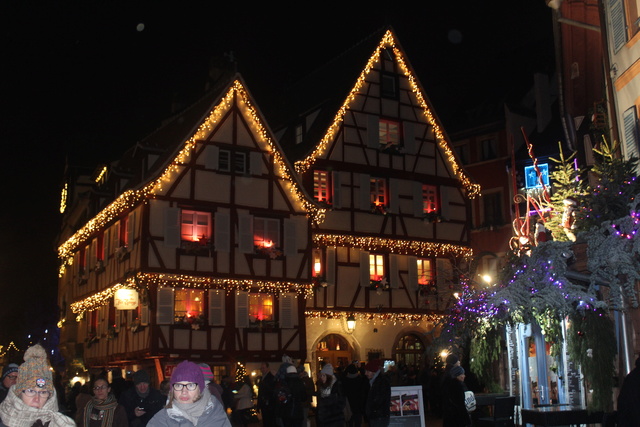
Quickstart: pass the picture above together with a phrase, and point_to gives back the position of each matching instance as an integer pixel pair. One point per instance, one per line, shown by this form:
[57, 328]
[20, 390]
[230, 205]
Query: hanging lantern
[125, 299]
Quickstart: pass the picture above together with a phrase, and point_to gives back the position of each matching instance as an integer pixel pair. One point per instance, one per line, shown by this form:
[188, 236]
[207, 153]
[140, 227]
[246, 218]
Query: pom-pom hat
[188, 371]
[35, 372]
[327, 369]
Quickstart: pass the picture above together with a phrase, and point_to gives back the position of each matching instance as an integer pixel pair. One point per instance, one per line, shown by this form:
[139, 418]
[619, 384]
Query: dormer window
[389, 133]
[321, 186]
[299, 133]
[233, 161]
[429, 198]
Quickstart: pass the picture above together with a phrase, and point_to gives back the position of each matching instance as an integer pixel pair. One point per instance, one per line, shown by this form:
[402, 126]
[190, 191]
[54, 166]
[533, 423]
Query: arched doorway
[334, 349]
[410, 350]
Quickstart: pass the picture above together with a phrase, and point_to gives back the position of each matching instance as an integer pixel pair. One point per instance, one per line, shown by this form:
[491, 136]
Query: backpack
[283, 398]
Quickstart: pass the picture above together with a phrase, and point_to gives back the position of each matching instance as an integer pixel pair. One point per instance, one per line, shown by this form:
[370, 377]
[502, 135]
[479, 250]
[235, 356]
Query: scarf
[15, 413]
[193, 411]
[325, 389]
[108, 405]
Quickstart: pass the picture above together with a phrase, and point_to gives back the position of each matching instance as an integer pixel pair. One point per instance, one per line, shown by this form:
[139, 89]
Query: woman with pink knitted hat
[190, 402]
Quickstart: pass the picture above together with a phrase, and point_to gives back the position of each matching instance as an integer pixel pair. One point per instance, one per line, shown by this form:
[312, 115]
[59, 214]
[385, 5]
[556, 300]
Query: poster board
[407, 407]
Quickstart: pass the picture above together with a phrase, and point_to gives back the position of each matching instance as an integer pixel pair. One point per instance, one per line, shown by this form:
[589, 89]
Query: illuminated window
[195, 226]
[389, 133]
[376, 267]
[260, 307]
[188, 304]
[429, 198]
[266, 232]
[425, 272]
[321, 185]
[378, 192]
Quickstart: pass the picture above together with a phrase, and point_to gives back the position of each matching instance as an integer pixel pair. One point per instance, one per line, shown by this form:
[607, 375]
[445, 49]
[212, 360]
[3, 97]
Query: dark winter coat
[293, 408]
[152, 403]
[355, 388]
[331, 403]
[454, 410]
[378, 404]
[629, 400]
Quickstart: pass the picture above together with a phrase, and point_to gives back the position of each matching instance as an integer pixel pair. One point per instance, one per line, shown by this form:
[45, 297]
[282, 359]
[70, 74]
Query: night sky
[83, 83]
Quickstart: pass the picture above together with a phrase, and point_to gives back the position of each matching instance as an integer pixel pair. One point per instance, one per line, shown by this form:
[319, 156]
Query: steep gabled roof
[176, 139]
[326, 94]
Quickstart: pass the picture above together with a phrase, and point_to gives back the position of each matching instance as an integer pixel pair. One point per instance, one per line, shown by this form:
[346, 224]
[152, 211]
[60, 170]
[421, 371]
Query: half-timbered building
[209, 232]
[369, 147]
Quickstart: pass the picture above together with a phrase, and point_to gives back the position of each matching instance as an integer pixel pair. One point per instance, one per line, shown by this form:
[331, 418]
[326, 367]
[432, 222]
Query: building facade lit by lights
[334, 238]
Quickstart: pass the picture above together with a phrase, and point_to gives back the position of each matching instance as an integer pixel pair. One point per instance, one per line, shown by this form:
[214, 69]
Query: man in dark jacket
[9, 378]
[377, 407]
[629, 399]
[265, 396]
[141, 401]
[355, 386]
[290, 410]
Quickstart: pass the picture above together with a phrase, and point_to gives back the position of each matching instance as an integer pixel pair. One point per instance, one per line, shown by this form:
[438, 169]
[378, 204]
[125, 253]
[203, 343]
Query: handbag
[470, 401]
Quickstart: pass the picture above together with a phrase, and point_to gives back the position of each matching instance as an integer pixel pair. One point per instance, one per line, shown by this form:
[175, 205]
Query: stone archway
[334, 349]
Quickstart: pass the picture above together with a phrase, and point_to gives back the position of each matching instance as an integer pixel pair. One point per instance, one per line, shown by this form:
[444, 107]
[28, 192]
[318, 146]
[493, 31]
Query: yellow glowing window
[425, 273]
[260, 307]
[195, 226]
[376, 267]
[321, 185]
[188, 304]
[429, 198]
[266, 232]
[389, 132]
[378, 192]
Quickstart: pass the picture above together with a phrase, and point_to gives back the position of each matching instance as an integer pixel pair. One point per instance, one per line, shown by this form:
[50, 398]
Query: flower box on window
[379, 285]
[429, 288]
[319, 282]
[391, 148]
[378, 209]
[122, 253]
[112, 334]
[99, 266]
[268, 251]
[91, 339]
[136, 326]
[263, 325]
[202, 247]
[433, 216]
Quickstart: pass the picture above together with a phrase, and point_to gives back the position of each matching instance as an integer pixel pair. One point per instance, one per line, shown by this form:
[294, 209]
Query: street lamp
[351, 323]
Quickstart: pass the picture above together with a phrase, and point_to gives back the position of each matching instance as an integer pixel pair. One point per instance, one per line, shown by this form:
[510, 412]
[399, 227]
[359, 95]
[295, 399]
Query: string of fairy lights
[130, 198]
[381, 319]
[145, 281]
[397, 246]
[473, 190]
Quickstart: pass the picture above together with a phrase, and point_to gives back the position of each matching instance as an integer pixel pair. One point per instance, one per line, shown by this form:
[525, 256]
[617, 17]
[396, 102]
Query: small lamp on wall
[351, 323]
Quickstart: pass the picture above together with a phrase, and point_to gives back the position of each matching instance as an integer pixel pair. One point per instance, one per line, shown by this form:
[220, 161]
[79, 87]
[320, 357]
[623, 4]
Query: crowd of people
[353, 396]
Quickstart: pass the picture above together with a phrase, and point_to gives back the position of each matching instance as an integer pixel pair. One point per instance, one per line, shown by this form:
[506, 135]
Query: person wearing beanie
[214, 388]
[291, 397]
[355, 389]
[377, 408]
[454, 410]
[9, 378]
[190, 402]
[32, 400]
[103, 410]
[331, 400]
[141, 401]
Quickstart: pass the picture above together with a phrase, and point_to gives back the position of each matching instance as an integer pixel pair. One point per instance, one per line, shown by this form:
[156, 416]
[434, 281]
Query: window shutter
[245, 232]
[394, 275]
[131, 232]
[330, 269]
[365, 192]
[211, 157]
[409, 137]
[445, 195]
[290, 237]
[172, 227]
[373, 132]
[618, 24]
[116, 235]
[336, 180]
[107, 245]
[242, 310]
[394, 199]
[117, 320]
[222, 233]
[412, 267]
[443, 273]
[288, 314]
[630, 133]
[216, 307]
[365, 274]
[92, 259]
[103, 322]
[418, 200]
[255, 163]
[588, 151]
[164, 310]
[144, 315]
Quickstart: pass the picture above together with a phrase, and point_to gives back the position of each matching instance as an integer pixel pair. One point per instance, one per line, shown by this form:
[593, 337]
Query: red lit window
[266, 232]
[124, 231]
[188, 304]
[321, 186]
[425, 273]
[260, 307]
[378, 192]
[389, 133]
[376, 267]
[195, 226]
[430, 198]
